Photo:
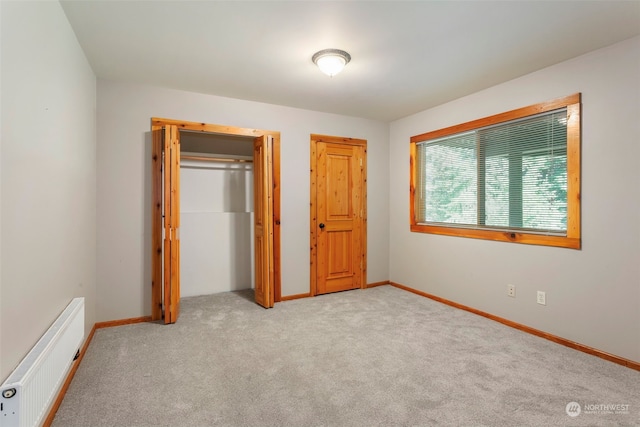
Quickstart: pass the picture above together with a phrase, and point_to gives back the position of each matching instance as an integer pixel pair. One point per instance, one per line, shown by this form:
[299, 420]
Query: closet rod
[215, 159]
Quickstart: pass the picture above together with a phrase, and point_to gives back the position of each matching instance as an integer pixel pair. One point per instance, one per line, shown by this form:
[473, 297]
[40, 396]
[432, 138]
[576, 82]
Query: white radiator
[30, 390]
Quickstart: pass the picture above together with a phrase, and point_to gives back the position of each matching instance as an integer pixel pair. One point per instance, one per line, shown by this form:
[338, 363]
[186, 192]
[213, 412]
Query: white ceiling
[406, 56]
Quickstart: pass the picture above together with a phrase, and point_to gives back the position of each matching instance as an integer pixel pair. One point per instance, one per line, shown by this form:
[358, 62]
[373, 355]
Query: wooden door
[263, 220]
[338, 214]
[171, 198]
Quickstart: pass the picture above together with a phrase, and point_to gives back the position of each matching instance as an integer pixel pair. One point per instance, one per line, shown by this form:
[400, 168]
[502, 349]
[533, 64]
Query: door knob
[321, 225]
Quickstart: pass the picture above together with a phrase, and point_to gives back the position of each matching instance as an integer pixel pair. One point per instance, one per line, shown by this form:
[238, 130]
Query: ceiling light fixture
[331, 61]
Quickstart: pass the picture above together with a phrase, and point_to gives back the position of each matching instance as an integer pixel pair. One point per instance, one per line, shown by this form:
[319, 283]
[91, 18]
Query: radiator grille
[39, 376]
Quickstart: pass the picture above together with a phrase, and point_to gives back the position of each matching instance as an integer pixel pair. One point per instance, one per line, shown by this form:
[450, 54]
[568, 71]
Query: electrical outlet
[542, 298]
[511, 290]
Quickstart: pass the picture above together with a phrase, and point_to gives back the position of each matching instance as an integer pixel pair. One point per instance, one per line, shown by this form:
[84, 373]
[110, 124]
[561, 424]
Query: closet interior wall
[216, 204]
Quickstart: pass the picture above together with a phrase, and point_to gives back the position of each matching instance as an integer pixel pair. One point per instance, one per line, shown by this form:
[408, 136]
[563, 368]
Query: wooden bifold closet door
[171, 185]
[165, 224]
[165, 263]
[263, 224]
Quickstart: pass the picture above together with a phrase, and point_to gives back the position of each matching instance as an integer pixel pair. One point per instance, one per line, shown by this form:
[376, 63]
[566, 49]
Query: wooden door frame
[156, 200]
[315, 138]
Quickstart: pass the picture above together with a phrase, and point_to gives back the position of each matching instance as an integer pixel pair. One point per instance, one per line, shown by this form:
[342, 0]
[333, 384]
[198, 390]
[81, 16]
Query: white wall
[216, 227]
[593, 294]
[124, 188]
[48, 175]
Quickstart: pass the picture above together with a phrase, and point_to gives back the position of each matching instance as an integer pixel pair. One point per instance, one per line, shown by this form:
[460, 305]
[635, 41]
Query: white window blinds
[511, 176]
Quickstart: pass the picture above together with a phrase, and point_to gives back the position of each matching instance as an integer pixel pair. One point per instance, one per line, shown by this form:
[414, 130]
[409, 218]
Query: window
[511, 177]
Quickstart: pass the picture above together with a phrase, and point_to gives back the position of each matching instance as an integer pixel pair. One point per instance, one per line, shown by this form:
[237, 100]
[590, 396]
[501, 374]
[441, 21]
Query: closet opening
[216, 210]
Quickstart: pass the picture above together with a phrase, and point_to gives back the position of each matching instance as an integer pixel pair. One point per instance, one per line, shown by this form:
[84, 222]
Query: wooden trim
[500, 236]
[65, 386]
[338, 140]
[531, 110]
[313, 222]
[412, 184]
[375, 284]
[313, 230]
[277, 273]
[157, 123]
[558, 340]
[363, 233]
[573, 172]
[292, 297]
[573, 239]
[156, 224]
[121, 322]
[210, 128]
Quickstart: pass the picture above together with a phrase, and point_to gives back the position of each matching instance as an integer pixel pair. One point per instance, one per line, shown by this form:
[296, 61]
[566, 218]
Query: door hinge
[360, 161]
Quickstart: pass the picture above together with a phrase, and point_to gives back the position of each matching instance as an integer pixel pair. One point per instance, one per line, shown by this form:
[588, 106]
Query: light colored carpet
[375, 357]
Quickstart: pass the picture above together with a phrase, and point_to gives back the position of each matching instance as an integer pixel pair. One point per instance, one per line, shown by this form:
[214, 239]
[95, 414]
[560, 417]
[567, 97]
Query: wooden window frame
[573, 238]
